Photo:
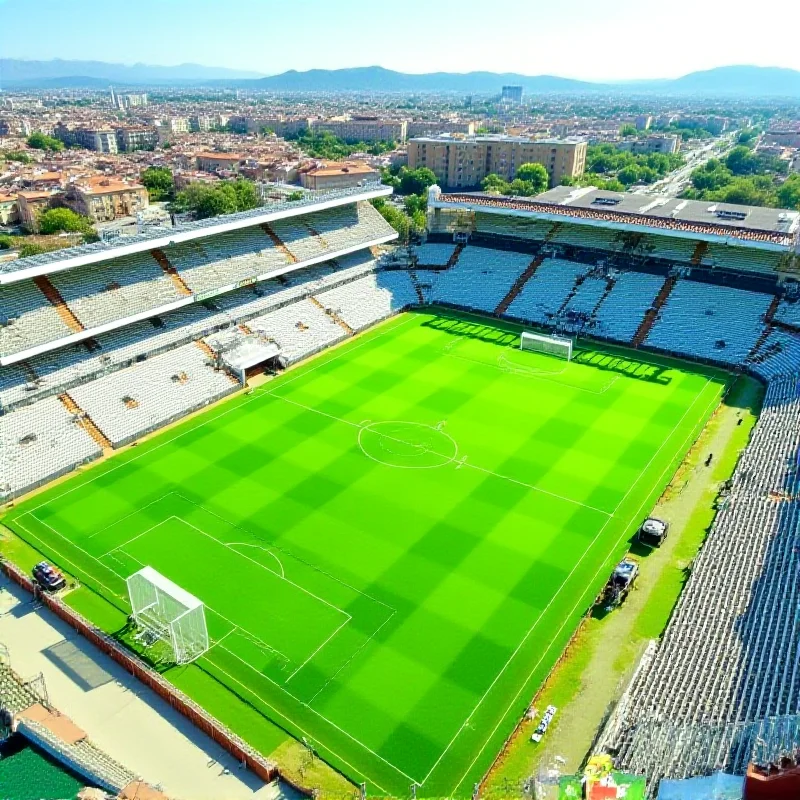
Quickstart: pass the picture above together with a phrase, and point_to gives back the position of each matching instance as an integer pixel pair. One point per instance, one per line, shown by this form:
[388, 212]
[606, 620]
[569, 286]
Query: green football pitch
[394, 542]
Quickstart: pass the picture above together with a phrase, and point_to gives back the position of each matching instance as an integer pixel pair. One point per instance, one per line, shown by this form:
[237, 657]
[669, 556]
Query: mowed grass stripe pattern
[395, 541]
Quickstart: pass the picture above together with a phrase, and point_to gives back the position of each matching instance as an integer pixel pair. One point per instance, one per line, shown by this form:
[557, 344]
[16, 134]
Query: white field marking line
[350, 660]
[127, 516]
[318, 649]
[533, 375]
[537, 489]
[625, 531]
[263, 550]
[370, 427]
[266, 569]
[321, 716]
[138, 536]
[663, 444]
[258, 642]
[293, 723]
[473, 466]
[311, 566]
[557, 593]
[257, 395]
[221, 639]
[62, 557]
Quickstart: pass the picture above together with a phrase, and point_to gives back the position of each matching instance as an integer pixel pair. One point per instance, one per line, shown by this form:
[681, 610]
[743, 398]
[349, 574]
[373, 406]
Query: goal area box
[169, 613]
[559, 346]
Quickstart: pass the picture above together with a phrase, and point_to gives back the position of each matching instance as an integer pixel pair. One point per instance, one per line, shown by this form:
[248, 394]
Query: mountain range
[731, 80]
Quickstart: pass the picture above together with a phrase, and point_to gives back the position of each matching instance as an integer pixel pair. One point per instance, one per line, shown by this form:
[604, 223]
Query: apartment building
[30, 206]
[129, 139]
[104, 199]
[219, 162]
[336, 174]
[666, 145]
[433, 127]
[9, 210]
[364, 129]
[463, 162]
[511, 94]
[100, 139]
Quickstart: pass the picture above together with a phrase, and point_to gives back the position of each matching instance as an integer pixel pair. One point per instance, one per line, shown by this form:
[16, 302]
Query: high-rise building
[511, 94]
[464, 161]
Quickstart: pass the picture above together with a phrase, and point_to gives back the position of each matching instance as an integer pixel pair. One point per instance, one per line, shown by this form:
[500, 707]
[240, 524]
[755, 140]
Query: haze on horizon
[584, 39]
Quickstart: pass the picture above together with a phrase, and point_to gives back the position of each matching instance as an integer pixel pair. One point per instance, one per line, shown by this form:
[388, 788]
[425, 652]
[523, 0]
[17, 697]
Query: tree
[789, 193]
[628, 130]
[415, 203]
[535, 175]
[629, 175]
[38, 141]
[63, 220]
[416, 181]
[494, 184]
[18, 156]
[741, 161]
[206, 200]
[159, 183]
[396, 218]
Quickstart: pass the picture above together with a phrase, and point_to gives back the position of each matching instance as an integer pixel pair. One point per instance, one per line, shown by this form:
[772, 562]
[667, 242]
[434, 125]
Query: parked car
[48, 577]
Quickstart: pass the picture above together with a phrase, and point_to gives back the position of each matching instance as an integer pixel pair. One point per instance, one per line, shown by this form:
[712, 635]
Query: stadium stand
[481, 278]
[692, 322]
[548, 289]
[27, 319]
[368, 300]
[300, 329]
[621, 313]
[112, 290]
[131, 402]
[38, 443]
[433, 254]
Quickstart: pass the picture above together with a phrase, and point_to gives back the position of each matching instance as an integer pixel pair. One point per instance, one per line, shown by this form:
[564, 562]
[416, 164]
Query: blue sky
[590, 39]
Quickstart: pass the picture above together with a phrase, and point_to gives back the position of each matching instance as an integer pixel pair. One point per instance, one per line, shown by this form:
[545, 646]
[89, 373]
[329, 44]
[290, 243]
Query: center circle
[408, 445]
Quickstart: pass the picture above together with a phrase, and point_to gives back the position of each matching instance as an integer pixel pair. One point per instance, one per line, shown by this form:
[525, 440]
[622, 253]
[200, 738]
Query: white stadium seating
[365, 301]
[131, 402]
[621, 313]
[433, 254]
[115, 289]
[481, 278]
[693, 322]
[545, 293]
[38, 443]
[300, 329]
[27, 319]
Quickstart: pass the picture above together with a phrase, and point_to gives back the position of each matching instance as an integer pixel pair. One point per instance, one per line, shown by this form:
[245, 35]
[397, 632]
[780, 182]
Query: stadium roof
[668, 215]
[60, 260]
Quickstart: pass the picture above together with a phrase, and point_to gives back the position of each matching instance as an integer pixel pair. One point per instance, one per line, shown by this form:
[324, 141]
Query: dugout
[251, 356]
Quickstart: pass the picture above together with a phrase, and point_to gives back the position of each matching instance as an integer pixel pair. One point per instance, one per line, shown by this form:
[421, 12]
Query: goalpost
[559, 346]
[168, 613]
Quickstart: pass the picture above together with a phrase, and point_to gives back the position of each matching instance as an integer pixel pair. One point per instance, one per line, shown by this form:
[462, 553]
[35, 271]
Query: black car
[653, 531]
[48, 577]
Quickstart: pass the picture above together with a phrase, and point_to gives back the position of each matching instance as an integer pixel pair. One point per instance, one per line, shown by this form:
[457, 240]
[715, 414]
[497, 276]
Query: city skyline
[583, 40]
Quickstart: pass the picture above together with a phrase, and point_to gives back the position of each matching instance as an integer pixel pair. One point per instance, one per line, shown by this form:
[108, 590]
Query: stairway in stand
[57, 301]
[572, 292]
[651, 314]
[84, 420]
[163, 262]
[276, 240]
[699, 253]
[453, 260]
[333, 315]
[519, 285]
[415, 282]
[769, 324]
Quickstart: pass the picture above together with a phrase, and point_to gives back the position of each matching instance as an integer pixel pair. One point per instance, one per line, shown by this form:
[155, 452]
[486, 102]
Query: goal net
[169, 613]
[559, 346]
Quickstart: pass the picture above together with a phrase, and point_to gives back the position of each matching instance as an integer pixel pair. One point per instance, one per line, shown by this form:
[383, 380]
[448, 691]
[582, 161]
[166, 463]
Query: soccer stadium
[393, 481]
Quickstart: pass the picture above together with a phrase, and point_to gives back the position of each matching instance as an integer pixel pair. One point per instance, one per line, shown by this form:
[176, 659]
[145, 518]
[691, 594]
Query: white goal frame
[559, 346]
[169, 613]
